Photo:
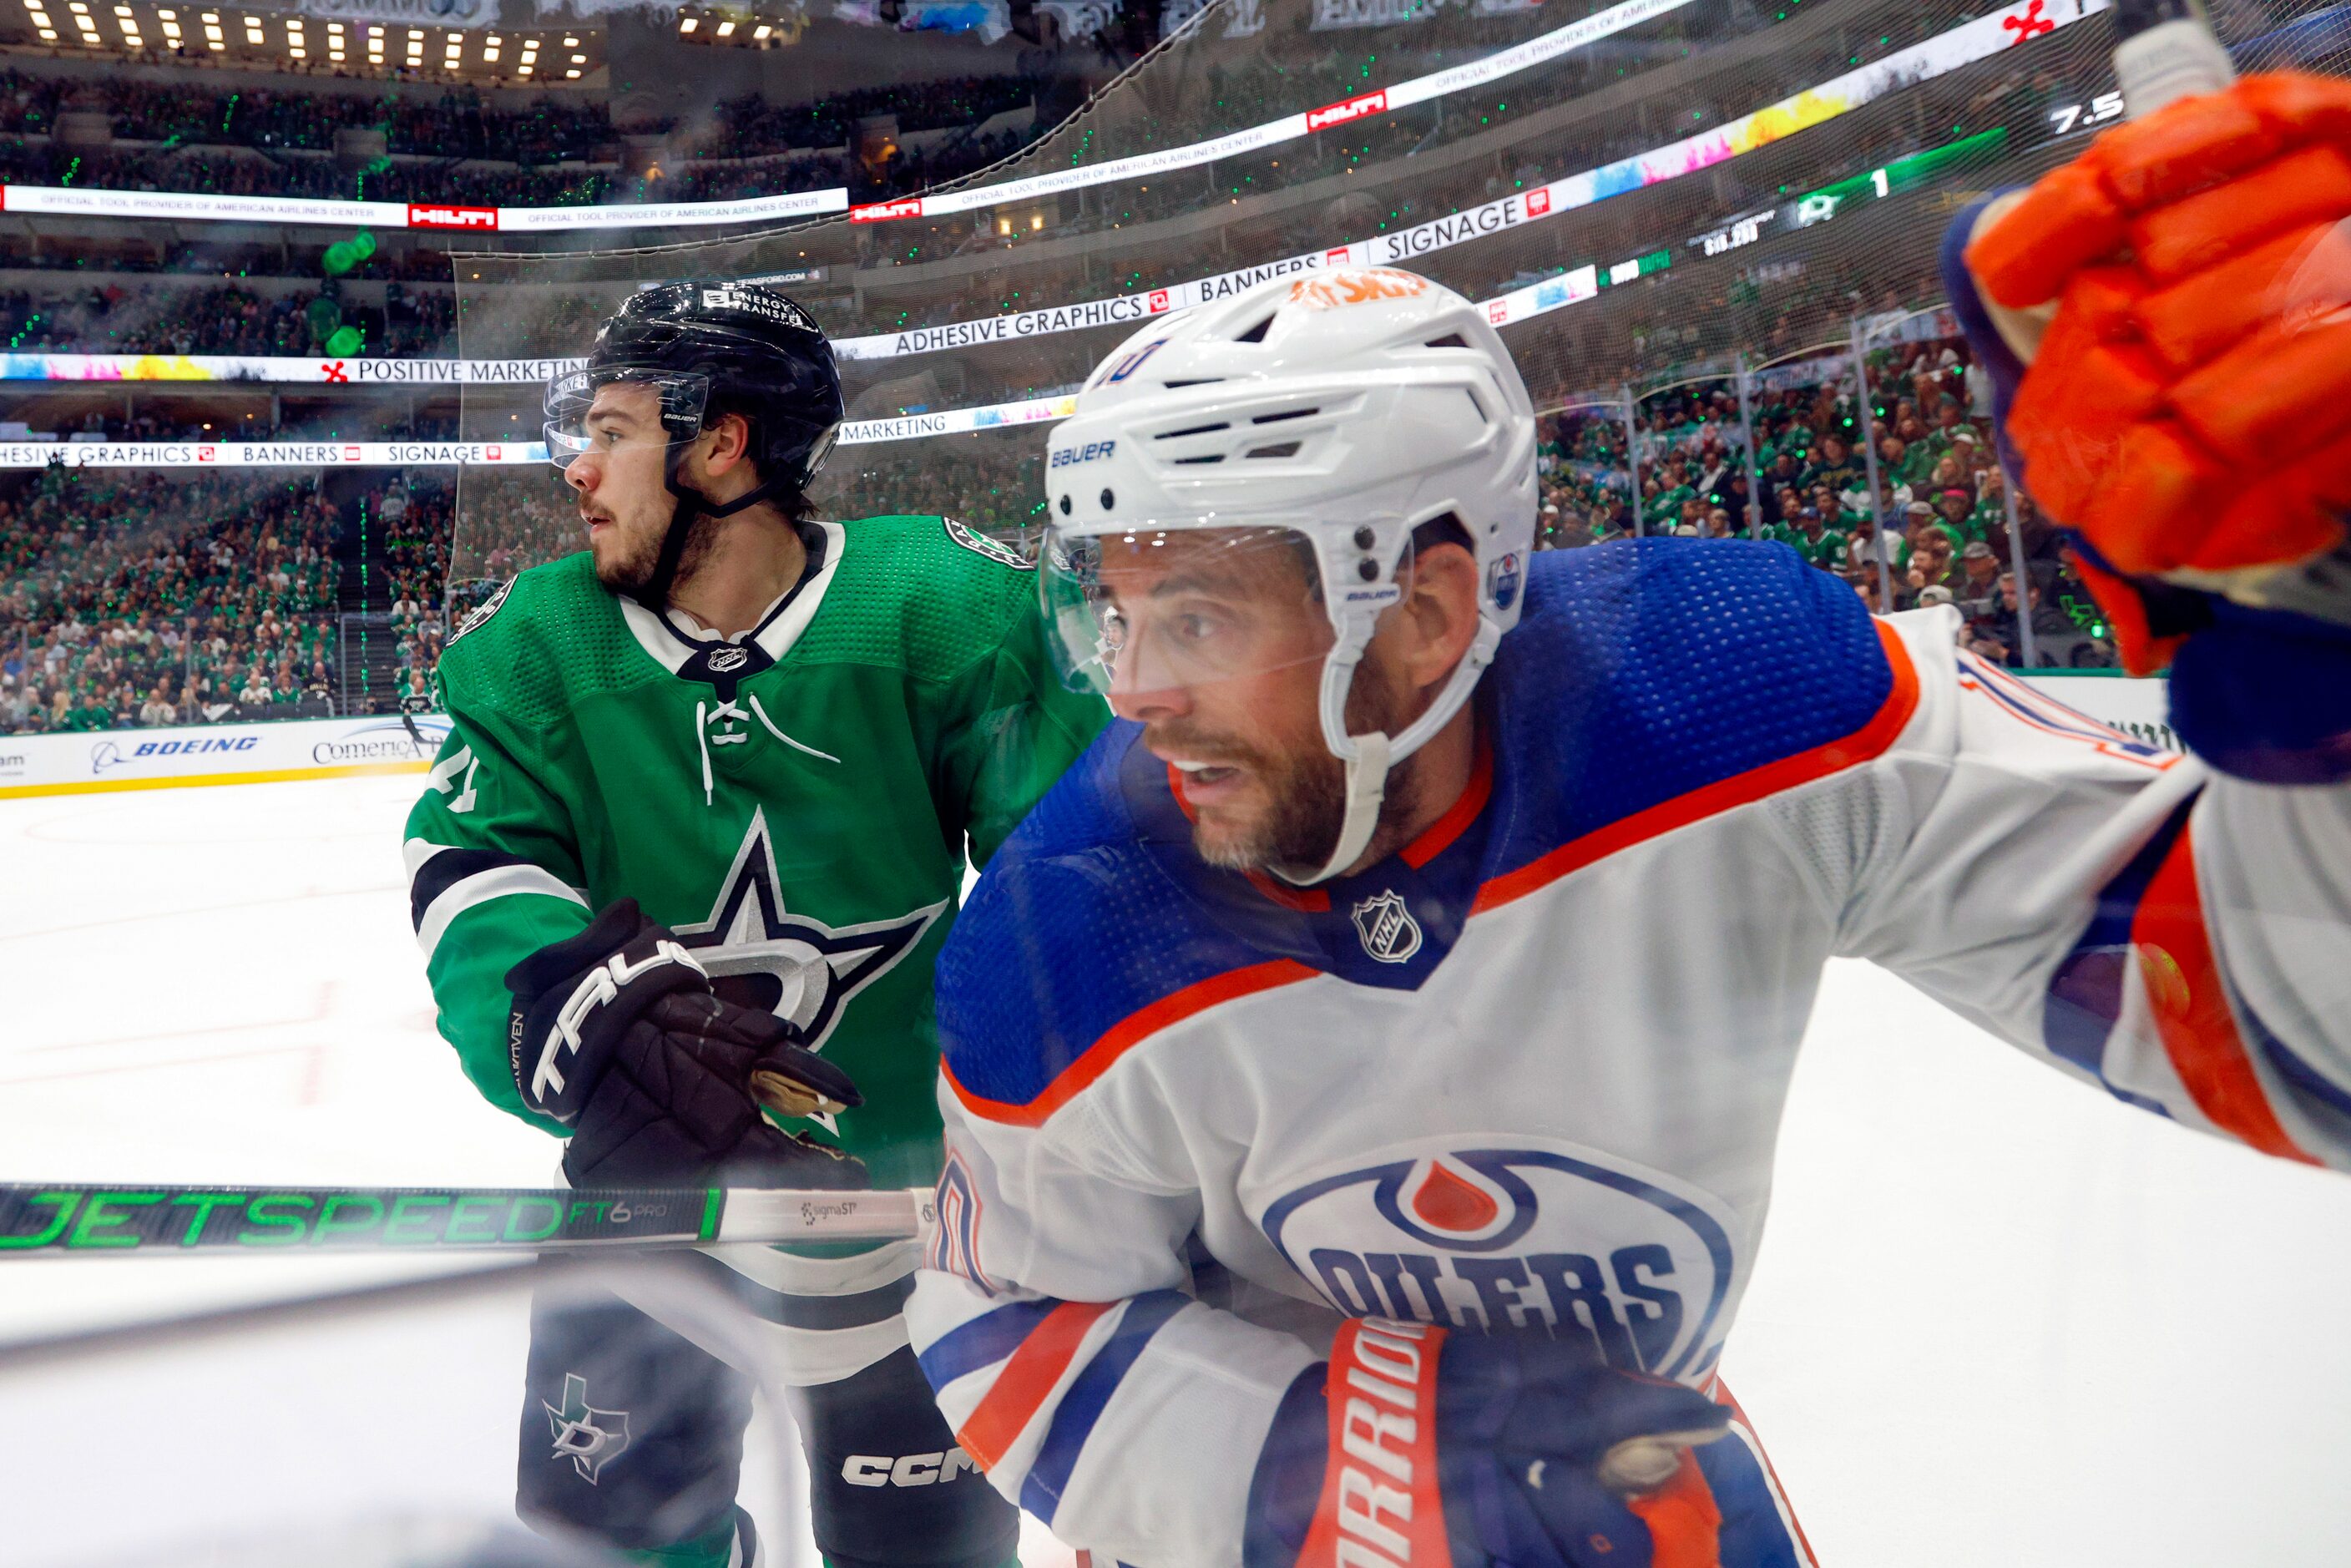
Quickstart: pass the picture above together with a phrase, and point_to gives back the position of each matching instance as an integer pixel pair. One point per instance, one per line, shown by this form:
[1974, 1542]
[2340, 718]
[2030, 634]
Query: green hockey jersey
[797, 806]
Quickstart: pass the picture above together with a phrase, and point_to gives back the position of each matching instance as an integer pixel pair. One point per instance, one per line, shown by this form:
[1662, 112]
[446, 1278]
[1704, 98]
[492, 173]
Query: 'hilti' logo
[1538, 201]
[1497, 311]
[883, 211]
[423, 217]
[1158, 301]
[1345, 110]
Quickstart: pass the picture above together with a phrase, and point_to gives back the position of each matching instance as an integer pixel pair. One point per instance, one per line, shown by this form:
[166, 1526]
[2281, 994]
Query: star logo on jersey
[590, 1438]
[761, 955]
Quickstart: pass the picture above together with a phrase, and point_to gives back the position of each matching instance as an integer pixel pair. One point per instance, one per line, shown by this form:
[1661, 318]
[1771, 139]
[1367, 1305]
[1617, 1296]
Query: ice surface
[1998, 1318]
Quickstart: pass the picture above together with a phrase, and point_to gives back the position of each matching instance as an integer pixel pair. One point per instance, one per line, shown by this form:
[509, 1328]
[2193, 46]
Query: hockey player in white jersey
[1362, 1072]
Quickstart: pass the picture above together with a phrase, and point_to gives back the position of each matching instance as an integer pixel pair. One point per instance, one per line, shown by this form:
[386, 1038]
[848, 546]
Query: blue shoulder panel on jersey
[1640, 671]
[1073, 926]
[1646, 670]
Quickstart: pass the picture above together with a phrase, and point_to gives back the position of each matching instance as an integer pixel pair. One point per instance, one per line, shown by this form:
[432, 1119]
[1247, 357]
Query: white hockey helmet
[1344, 408]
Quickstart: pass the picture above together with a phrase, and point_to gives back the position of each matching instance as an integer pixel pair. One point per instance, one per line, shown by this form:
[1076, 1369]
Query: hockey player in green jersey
[703, 814]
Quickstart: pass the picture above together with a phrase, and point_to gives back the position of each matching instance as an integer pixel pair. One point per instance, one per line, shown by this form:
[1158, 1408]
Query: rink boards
[92, 762]
[88, 762]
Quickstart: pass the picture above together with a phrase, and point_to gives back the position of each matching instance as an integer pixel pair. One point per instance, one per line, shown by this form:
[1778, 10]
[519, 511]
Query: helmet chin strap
[1370, 758]
[654, 594]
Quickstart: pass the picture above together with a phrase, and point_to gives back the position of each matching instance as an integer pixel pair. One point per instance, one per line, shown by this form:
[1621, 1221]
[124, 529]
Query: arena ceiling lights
[235, 36]
[743, 28]
[1553, 45]
[2015, 24]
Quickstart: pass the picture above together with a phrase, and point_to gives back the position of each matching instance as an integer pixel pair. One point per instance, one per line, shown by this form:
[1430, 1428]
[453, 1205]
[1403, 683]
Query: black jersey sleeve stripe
[443, 870]
[799, 1312]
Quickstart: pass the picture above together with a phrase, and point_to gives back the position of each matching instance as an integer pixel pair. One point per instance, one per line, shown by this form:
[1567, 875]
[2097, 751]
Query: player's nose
[1142, 685]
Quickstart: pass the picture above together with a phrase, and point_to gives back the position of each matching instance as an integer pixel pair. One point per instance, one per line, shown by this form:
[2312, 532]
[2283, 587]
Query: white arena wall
[95, 761]
[88, 762]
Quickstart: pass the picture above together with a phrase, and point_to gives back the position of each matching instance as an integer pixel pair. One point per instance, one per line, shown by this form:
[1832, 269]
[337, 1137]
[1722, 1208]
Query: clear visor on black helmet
[616, 405]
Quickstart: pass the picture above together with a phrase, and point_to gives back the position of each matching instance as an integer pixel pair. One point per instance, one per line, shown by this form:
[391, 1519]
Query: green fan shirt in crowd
[802, 824]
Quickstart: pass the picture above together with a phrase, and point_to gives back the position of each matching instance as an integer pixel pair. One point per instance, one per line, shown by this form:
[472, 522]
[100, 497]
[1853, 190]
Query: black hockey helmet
[709, 346]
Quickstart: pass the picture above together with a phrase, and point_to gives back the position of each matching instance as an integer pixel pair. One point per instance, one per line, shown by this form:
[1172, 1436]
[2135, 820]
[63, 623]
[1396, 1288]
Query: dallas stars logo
[590, 1438]
[760, 956]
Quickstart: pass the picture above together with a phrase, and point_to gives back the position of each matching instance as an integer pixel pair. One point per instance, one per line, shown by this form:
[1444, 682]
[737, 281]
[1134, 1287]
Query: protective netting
[1678, 207]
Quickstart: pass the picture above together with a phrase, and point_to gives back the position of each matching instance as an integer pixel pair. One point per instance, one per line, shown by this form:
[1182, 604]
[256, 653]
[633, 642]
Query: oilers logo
[1502, 580]
[1558, 1240]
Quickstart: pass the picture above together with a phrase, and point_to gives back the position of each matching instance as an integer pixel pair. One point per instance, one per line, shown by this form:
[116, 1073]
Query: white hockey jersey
[1529, 1071]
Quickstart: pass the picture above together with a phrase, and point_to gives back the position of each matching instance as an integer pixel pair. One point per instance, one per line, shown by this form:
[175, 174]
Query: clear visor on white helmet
[1134, 612]
[617, 406]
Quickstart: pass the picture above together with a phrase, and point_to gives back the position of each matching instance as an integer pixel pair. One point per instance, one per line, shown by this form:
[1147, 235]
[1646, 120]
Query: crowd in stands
[105, 581]
[440, 123]
[1249, 87]
[1940, 531]
[225, 319]
[214, 257]
[139, 599]
[155, 598]
[749, 126]
[1407, 189]
[416, 517]
[434, 122]
[244, 174]
[549, 154]
[748, 147]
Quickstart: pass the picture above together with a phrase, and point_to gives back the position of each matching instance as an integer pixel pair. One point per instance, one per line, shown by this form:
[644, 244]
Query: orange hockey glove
[2188, 408]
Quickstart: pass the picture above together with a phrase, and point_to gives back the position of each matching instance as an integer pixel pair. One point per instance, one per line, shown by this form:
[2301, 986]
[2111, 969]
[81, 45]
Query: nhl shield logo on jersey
[759, 955]
[1557, 1240]
[590, 1438]
[1389, 933]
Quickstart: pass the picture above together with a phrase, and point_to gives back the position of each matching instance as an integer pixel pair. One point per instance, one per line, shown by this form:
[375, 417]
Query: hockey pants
[634, 1434]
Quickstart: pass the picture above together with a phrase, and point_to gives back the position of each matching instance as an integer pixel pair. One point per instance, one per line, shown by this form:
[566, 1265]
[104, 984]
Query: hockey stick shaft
[62, 1219]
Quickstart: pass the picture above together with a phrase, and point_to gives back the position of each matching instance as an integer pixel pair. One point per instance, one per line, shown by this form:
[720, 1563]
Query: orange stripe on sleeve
[2200, 1034]
[1127, 1033]
[1685, 1521]
[996, 1424]
[1723, 1396]
[1869, 741]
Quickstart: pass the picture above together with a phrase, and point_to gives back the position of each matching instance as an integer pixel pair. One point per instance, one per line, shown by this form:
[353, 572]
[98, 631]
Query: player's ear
[729, 442]
[1439, 613]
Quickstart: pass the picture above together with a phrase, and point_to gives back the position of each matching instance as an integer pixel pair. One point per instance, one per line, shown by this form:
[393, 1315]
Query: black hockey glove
[617, 1034]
